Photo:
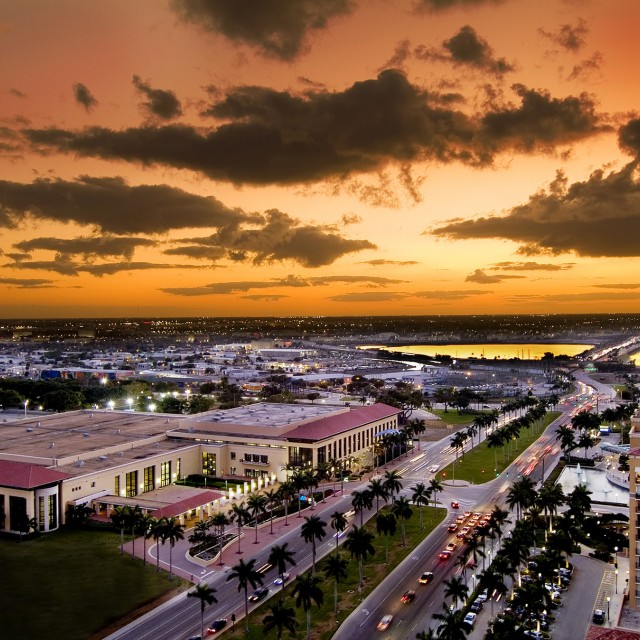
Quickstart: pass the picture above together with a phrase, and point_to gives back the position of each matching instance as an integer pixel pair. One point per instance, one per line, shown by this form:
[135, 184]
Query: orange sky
[342, 157]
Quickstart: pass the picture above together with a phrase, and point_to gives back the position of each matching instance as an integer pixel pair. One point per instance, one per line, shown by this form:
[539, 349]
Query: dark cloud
[88, 247]
[590, 297]
[351, 219]
[112, 205]
[17, 93]
[25, 283]
[160, 103]
[618, 286]
[586, 68]
[629, 137]
[274, 137]
[197, 252]
[223, 288]
[83, 96]
[530, 266]
[597, 217]
[443, 5]
[381, 263]
[280, 238]
[267, 297]
[400, 55]
[369, 296]
[275, 28]
[460, 294]
[480, 277]
[541, 122]
[467, 48]
[568, 36]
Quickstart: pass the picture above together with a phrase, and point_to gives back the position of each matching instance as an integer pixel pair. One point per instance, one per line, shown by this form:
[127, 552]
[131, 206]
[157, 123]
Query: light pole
[26, 402]
[616, 550]
[616, 581]
[608, 609]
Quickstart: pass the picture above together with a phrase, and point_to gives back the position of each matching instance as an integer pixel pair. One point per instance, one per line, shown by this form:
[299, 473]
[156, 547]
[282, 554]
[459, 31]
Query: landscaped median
[324, 620]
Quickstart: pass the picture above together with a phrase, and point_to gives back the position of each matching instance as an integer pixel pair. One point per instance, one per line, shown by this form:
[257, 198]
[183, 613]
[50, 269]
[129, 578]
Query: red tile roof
[20, 475]
[197, 500]
[333, 425]
[602, 633]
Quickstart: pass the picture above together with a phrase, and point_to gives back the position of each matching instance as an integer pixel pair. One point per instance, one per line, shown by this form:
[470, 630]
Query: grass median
[324, 621]
[482, 464]
[72, 584]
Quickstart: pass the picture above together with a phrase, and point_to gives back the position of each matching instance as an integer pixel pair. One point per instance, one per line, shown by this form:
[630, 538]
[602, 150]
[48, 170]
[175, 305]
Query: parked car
[476, 606]
[470, 619]
[598, 616]
[483, 596]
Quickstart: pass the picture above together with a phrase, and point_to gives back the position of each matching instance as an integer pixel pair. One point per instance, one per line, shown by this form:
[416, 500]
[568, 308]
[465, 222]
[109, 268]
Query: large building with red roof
[107, 458]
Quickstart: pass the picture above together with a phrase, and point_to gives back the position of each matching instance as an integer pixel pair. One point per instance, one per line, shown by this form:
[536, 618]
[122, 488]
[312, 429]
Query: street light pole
[616, 581]
[608, 609]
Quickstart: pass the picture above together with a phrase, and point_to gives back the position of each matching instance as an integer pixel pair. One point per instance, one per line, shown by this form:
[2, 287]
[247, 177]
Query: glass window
[131, 484]
[17, 512]
[41, 513]
[179, 468]
[165, 473]
[149, 479]
[53, 511]
[208, 464]
[264, 459]
[233, 455]
[116, 485]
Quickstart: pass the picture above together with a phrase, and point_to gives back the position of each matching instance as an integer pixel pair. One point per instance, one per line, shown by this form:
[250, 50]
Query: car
[258, 594]
[281, 579]
[434, 468]
[455, 504]
[444, 555]
[408, 596]
[470, 618]
[452, 546]
[452, 526]
[476, 606]
[538, 635]
[217, 625]
[385, 621]
[483, 596]
[466, 514]
[460, 519]
[426, 577]
[463, 532]
[598, 616]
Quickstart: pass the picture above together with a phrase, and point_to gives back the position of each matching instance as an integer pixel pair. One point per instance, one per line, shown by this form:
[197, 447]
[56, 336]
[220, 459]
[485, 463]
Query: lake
[489, 351]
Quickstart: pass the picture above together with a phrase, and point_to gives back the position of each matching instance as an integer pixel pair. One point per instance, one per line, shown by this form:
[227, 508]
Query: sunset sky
[319, 157]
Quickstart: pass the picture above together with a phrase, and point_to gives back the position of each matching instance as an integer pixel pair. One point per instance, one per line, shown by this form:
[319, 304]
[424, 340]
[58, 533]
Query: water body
[490, 351]
[597, 482]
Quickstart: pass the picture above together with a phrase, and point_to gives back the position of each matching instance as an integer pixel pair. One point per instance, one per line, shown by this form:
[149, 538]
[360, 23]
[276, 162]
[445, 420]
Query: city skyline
[400, 157]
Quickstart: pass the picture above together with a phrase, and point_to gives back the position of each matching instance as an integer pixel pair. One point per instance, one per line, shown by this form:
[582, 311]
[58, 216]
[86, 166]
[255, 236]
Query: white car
[470, 619]
[384, 623]
[434, 468]
[282, 579]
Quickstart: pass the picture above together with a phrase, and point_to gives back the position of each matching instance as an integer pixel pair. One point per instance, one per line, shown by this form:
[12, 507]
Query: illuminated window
[131, 484]
[149, 478]
[165, 474]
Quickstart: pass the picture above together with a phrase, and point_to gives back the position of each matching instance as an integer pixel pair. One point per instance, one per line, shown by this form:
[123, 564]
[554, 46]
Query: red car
[455, 504]
[444, 555]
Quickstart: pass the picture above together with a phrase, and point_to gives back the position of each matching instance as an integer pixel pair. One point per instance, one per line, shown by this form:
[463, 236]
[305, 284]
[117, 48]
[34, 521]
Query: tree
[497, 518]
[550, 497]
[280, 617]
[452, 625]
[567, 437]
[286, 491]
[279, 557]
[402, 510]
[119, 518]
[306, 591]
[155, 532]
[146, 524]
[421, 496]
[386, 525]
[256, 506]
[312, 530]
[335, 567]
[272, 497]
[246, 574]
[494, 441]
[240, 515]
[521, 495]
[172, 531]
[361, 500]
[339, 523]
[206, 594]
[435, 486]
[392, 482]
[455, 588]
[378, 490]
[359, 544]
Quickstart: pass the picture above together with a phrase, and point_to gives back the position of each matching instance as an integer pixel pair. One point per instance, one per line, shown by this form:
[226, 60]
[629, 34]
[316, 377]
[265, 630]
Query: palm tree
[272, 497]
[428, 634]
[312, 530]
[172, 531]
[386, 525]
[492, 581]
[156, 532]
[279, 556]
[205, 593]
[119, 518]
[298, 481]
[402, 510]
[133, 520]
[146, 525]
[220, 521]
[339, 522]
[256, 506]
[579, 502]
[550, 497]
[378, 490]
[280, 617]
[452, 625]
[494, 441]
[306, 591]
[335, 567]
[361, 500]
[521, 495]
[392, 482]
[457, 589]
[498, 517]
[240, 515]
[457, 442]
[286, 492]
[322, 474]
[246, 574]
[421, 496]
[359, 544]
[435, 486]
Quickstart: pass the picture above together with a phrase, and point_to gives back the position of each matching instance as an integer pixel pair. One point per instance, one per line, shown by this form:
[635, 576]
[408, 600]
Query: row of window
[148, 477]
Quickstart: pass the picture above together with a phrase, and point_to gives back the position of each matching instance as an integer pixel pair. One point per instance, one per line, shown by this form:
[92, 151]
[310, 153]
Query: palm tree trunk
[335, 596]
